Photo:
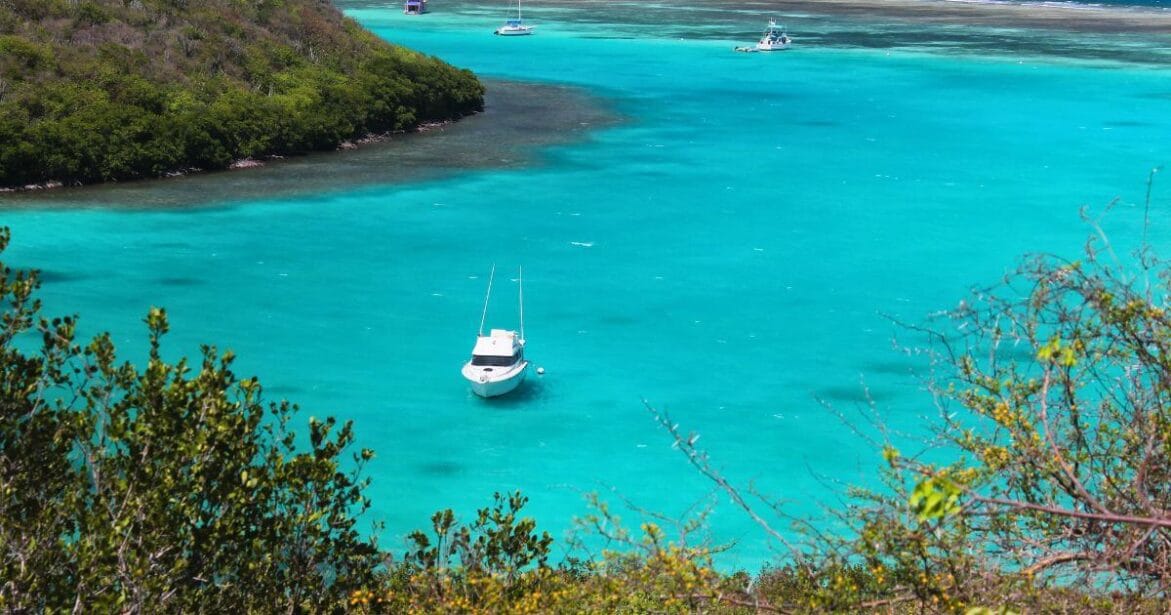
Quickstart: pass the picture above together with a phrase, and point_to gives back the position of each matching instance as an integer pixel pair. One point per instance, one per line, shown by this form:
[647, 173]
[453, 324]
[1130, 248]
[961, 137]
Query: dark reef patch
[440, 469]
[854, 394]
[179, 282]
[49, 276]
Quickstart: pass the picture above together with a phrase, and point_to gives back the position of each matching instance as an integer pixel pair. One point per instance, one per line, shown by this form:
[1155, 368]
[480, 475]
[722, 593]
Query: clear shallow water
[728, 252]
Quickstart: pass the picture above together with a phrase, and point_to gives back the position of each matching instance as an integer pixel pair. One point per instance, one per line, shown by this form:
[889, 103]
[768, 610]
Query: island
[107, 90]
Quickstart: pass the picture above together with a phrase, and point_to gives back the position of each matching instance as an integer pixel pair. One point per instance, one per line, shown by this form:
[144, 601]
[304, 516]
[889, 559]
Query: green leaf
[934, 498]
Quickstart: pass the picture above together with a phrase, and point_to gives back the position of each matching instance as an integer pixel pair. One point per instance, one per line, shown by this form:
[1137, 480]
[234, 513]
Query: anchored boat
[498, 360]
[515, 27]
[773, 39]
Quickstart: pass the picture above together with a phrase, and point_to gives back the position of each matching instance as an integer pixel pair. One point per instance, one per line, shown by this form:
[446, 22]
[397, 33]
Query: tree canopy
[102, 90]
[167, 488]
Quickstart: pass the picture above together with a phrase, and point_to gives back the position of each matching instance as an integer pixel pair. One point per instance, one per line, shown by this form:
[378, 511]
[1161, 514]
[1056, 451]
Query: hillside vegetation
[101, 90]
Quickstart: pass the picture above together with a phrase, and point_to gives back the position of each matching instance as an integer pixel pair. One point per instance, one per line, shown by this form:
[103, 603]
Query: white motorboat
[498, 362]
[515, 27]
[773, 39]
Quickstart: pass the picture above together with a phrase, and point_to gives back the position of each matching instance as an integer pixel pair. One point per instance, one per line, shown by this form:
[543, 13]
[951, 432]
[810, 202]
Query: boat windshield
[488, 361]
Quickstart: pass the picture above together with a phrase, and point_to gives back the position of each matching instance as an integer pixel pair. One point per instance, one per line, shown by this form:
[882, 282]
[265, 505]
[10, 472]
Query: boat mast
[521, 282]
[484, 314]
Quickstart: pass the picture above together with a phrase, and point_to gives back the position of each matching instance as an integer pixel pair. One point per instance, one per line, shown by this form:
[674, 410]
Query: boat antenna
[484, 314]
[521, 282]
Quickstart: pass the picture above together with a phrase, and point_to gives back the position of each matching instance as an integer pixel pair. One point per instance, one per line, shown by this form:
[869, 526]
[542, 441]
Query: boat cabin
[415, 7]
[499, 349]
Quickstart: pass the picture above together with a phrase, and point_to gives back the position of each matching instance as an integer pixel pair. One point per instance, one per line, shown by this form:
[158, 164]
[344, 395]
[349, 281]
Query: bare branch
[1076, 514]
[699, 460]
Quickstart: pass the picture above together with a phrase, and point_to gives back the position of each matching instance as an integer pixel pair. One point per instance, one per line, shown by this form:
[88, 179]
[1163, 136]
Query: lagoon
[726, 236]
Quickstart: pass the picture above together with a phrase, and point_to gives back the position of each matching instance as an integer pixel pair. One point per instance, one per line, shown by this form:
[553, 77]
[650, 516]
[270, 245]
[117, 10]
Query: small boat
[498, 360]
[515, 27]
[415, 7]
[773, 39]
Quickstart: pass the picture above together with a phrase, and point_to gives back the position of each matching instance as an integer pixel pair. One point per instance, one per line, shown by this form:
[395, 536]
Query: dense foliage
[99, 90]
[170, 489]
[1055, 405]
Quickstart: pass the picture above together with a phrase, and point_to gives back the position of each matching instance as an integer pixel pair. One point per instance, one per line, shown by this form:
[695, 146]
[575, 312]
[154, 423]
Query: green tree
[170, 487]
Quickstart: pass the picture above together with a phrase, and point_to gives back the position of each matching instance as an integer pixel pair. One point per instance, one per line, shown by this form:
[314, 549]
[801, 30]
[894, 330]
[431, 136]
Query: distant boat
[498, 360]
[415, 7]
[773, 39]
[515, 27]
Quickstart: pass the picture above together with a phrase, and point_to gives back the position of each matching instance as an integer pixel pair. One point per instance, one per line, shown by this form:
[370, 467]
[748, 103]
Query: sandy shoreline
[1081, 18]
[991, 13]
[1058, 16]
[986, 13]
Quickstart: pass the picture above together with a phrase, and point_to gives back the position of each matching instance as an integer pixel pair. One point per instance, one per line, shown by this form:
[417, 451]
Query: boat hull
[758, 47]
[514, 31]
[495, 382]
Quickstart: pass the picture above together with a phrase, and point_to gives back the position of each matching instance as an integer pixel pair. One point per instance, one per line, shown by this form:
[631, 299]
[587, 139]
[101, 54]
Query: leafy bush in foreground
[1045, 483]
[172, 488]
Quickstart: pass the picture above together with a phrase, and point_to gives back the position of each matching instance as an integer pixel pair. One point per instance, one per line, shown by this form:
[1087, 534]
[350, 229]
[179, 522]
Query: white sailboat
[498, 362]
[515, 27]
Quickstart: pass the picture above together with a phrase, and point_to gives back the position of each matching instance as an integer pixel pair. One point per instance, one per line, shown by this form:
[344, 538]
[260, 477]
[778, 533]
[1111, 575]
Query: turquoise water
[730, 248]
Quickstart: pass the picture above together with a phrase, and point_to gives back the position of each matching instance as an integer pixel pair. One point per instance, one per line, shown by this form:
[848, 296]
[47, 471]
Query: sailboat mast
[484, 314]
[518, 18]
[521, 282]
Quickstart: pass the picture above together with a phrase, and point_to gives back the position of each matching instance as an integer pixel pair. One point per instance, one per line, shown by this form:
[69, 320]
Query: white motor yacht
[498, 362]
